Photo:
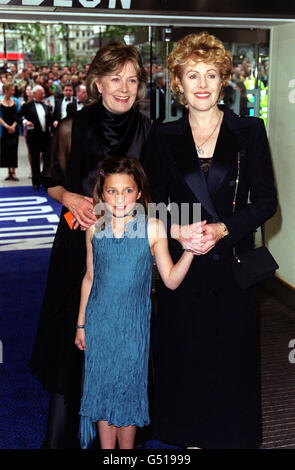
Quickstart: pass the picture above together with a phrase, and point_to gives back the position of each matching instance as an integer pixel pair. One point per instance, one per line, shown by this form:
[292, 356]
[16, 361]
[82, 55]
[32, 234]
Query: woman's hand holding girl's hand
[198, 238]
[82, 209]
[189, 236]
[80, 339]
[212, 233]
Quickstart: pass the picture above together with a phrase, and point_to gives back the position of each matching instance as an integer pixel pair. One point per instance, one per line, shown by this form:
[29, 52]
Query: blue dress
[117, 328]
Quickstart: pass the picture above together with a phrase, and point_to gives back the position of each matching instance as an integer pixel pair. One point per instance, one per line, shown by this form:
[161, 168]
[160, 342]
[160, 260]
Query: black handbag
[255, 265]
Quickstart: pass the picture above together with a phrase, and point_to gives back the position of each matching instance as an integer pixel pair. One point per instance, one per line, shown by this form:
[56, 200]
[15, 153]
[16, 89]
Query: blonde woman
[207, 373]
[9, 131]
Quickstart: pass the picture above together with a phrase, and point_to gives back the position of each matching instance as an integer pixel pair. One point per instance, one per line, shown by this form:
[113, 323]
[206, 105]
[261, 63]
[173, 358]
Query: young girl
[115, 306]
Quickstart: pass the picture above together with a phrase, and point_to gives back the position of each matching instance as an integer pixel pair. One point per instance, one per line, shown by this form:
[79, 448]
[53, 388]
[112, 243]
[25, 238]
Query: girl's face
[201, 84]
[120, 193]
[119, 90]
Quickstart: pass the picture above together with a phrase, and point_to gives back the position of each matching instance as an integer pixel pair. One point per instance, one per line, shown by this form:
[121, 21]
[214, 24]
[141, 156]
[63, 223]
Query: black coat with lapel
[28, 111]
[207, 391]
[58, 105]
[175, 176]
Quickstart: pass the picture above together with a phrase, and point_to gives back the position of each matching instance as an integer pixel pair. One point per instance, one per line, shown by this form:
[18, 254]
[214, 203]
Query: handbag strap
[235, 200]
[237, 182]
[236, 191]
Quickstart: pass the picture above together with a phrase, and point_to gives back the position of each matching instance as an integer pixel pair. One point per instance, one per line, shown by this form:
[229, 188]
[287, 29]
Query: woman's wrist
[174, 231]
[223, 231]
[65, 198]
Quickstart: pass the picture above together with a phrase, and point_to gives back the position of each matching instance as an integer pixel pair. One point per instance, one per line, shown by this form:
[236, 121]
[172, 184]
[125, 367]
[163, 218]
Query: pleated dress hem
[88, 430]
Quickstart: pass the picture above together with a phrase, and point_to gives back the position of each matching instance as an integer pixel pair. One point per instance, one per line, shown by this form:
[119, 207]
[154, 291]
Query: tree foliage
[117, 33]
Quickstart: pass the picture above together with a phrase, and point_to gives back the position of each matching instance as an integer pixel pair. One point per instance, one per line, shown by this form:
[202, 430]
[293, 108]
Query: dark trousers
[38, 143]
[62, 425]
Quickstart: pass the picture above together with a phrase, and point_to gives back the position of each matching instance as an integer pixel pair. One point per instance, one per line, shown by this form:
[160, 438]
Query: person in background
[59, 85]
[79, 102]
[23, 81]
[158, 97]
[28, 96]
[9, 131]
[36, 116]
[60, 108]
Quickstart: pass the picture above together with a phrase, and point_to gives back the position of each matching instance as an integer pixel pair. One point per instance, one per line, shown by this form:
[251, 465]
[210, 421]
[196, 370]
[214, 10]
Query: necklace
[123, 216]
[200, 151]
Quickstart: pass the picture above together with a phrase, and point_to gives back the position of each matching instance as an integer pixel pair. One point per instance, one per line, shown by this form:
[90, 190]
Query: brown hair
[202, 47]
[108, 60]
[115, 164]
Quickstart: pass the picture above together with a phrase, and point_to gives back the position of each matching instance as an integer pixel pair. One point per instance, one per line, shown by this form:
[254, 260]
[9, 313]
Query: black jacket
[175, 174]
[57, 107]
[28, 111]
[206, 345]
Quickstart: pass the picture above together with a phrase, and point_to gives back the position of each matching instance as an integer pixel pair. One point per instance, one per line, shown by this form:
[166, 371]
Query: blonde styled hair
[108, 60]
[7, 86]
[202, 47]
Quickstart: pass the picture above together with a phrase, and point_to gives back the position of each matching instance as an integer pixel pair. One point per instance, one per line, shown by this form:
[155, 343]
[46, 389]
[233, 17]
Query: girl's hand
[80, 339]
[82, 209]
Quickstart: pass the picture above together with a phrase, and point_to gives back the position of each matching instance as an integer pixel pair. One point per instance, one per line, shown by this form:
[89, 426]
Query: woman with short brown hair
[110, 124]
[110, 59]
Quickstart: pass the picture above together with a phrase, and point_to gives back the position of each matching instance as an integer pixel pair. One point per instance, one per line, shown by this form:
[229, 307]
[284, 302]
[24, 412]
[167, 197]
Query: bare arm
[172, 274]
[54, 175]
[85, 291]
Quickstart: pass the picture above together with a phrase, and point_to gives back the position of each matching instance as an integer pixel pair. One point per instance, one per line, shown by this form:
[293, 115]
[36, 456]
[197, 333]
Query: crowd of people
[33, 101]
[243, 79]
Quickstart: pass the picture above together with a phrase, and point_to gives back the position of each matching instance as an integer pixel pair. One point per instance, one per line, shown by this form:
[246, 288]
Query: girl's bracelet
[80, 327]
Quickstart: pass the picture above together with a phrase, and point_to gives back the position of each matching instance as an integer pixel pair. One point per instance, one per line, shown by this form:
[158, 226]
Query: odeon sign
[125, 4]
[263, 8]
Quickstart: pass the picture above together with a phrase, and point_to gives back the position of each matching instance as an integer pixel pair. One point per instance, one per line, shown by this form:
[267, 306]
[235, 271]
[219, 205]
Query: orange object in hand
[69, 218]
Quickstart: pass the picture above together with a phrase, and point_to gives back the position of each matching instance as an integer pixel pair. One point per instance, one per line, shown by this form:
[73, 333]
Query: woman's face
[201, 84]
[29, 91]
[10, 92]
[120, 193]
[119, 90]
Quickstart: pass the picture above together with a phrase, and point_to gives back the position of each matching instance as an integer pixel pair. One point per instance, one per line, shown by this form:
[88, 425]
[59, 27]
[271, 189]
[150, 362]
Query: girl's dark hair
[116, 164]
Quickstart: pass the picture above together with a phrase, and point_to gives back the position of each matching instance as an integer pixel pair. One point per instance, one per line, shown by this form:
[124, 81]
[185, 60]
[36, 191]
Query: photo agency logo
[291, 356]
[181, 215]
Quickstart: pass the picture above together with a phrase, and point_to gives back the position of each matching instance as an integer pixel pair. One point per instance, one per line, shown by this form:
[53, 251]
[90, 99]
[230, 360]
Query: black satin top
[95, 133]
